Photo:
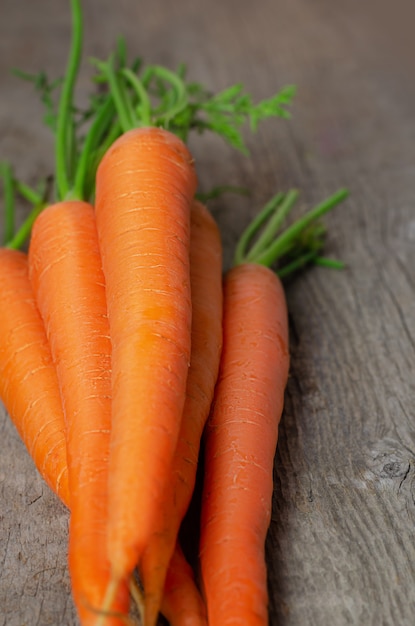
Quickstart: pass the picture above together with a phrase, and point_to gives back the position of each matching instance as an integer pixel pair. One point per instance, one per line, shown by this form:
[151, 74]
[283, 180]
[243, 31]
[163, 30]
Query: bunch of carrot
[123, 350]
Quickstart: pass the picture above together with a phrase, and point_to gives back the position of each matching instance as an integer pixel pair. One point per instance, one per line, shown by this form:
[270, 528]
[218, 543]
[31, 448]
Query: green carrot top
[265, 241]
[125, 96]
[153, 95]
[128, 95]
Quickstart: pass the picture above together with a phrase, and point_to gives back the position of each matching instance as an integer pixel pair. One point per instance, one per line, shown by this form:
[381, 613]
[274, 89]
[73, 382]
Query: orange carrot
[242, 429]
[144, 188]
[206, 342]
[66, 274]
[241, 438]
[182, 603]
[28, 383]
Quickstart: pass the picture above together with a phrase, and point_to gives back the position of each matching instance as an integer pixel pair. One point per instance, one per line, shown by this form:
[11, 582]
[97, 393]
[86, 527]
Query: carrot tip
[137, 596]
[105, 612]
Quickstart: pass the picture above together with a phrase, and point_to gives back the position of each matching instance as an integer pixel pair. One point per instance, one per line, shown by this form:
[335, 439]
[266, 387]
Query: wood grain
[341, 546]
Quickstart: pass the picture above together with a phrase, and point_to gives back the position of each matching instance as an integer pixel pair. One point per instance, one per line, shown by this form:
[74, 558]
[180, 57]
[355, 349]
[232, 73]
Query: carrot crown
[264, 242]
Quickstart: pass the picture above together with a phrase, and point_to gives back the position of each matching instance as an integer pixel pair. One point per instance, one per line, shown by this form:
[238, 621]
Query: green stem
[298, 245]
[179, 89]
[144, 108]
[99, 126]
[266, 238]
[123, 112]
[297, 264]
[306, 258]
[96, 156]
[253, 227]
[65, 118]
[9, 204]
[41, 201]
[333, 264]
[284, 242]
[19, 238]
[29, 194]
[121, 51]
[128, 103]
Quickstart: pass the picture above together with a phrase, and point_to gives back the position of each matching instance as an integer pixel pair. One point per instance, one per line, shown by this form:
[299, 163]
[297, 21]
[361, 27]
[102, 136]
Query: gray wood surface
[341, 546]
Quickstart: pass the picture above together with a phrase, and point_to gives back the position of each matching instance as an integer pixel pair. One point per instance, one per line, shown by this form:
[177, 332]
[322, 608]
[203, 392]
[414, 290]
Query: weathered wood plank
[341, 544]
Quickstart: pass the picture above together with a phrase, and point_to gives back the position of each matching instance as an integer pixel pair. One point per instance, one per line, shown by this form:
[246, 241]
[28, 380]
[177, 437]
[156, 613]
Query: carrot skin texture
[206, 346]
[66, 274]
[28, 382]
[182, 604]
[240, 439]
[144, 188]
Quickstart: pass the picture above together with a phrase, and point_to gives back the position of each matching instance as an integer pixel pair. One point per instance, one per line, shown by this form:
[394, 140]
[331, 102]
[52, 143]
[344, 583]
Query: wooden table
[341, 546]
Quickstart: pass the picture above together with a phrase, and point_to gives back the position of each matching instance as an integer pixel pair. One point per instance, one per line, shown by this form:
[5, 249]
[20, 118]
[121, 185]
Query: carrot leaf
[226, 112]
[271, 107]
[154, 95]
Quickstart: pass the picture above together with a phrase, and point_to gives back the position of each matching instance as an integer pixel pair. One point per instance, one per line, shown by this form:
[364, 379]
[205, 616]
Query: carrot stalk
[94, 138]
[206, 344]
[28, 382]
[31, 195]
[9, 205]
[65, 129]
[282, 244]
[280, 206]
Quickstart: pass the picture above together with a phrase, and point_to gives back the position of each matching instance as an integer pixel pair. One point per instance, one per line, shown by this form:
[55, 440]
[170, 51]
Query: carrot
[242, 430]
[182, 604]
[206, 343]
[144, 189]
[240, 445]
[66, 274]
[28, 383]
